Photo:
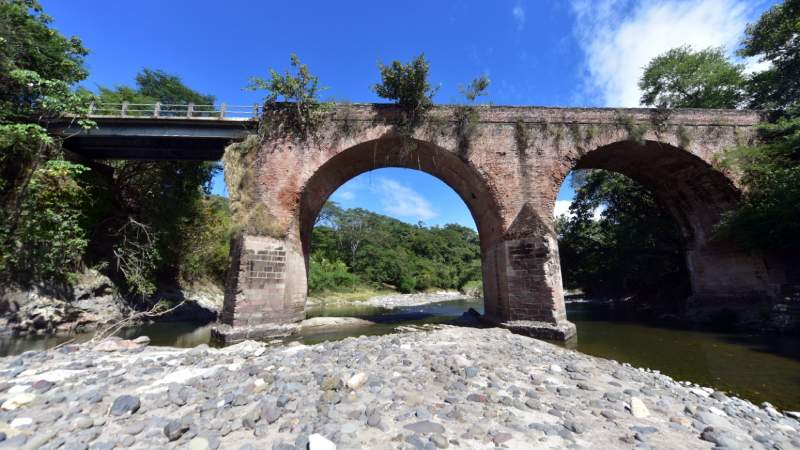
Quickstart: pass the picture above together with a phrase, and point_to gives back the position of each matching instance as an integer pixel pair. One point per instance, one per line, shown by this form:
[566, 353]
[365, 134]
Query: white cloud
[518, 12]
[561, 208]
[345, 195]
[402, 201]
[619, 38]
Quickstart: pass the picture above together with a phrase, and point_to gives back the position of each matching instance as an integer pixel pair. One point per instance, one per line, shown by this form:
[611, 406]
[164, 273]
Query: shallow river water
[759, 368]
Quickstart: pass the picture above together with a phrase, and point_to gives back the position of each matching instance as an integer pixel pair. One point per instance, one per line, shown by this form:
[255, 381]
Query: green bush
[50, 233]
[407, 84]
[326, 276]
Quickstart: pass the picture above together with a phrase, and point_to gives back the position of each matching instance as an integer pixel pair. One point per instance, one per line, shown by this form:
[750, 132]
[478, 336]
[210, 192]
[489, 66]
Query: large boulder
[51, 308]
[200, 304]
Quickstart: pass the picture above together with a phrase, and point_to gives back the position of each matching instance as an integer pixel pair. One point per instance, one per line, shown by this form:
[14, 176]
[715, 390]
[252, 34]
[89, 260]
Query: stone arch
[697, 194]
[446, 166]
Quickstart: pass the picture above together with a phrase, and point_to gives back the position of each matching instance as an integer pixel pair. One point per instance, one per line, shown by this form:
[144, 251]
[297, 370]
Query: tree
[40, 194]
[768, 217]
[633, 248]
[774, 39]
[381, 250]
[168, 88]
[304, 112]
[476, 88]
[684, 78]
[154, 220]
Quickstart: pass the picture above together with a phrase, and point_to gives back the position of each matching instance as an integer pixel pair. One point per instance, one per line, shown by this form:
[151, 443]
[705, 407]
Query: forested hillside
[354, 246]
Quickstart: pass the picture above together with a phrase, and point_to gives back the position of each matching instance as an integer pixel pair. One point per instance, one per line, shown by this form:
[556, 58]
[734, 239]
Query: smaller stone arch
[696, 194]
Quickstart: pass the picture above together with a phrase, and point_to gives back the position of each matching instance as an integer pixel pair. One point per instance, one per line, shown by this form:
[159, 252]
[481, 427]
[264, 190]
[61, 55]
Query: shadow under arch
[696, 194]
[426, 157]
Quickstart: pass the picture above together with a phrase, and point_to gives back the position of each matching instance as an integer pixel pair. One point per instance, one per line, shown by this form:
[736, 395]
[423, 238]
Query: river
[758, 368]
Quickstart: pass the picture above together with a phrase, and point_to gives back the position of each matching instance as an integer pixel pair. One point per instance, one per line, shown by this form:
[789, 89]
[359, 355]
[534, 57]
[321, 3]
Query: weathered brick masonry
[507, 167]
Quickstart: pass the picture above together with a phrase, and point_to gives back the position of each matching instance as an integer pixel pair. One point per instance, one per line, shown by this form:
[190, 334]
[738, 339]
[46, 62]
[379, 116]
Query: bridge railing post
[157, 109]
[222, 108]
[255, 111]
[124, 109]
[190, 110]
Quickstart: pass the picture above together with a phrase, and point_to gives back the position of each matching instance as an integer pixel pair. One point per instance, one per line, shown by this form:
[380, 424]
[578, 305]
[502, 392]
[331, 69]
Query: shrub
[325, 275]
[408, 86]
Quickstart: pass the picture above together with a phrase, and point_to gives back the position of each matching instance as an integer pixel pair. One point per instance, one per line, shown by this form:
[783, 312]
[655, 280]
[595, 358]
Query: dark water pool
[759, 368]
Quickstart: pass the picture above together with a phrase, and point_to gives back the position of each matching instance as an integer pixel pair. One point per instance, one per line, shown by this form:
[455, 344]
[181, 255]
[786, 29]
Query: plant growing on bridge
[636, 131]
[407, 85]
[301, 113]
[248, 214]
[466, 116]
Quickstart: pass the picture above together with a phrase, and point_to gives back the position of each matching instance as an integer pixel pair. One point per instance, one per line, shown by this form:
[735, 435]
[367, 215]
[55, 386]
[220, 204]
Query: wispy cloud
[619, 38]
[518, 13]
[403, 201]
[345, 195]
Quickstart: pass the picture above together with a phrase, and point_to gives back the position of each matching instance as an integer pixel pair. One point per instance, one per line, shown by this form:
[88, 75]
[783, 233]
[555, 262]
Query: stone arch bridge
[507, 164]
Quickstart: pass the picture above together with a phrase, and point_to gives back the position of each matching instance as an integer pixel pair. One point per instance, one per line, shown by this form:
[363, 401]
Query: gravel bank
[447, 388]
[422, 298]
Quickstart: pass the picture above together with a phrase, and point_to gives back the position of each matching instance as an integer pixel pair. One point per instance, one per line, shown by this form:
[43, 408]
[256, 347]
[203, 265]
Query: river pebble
[441, 387]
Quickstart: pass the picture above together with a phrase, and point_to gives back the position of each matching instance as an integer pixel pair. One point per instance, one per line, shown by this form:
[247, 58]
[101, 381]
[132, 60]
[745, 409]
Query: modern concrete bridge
[507, 165]
[159, 132]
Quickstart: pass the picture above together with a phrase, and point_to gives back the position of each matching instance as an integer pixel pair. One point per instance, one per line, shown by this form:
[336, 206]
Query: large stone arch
[691, 184]
[426, 157]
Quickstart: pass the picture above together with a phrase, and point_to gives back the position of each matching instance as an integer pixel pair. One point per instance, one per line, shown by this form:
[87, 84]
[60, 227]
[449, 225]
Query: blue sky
[557, 53]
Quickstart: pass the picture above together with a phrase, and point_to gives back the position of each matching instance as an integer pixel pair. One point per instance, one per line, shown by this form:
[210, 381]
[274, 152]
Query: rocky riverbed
[392, 301]
[449, 387]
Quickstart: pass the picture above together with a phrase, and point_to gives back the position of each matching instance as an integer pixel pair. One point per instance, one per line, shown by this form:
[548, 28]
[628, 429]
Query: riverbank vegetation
[144, 223]
[634, 248]
[354, 247]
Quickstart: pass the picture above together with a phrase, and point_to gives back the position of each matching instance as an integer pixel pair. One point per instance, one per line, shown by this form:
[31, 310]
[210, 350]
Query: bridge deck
[155, 138]
[188, 132]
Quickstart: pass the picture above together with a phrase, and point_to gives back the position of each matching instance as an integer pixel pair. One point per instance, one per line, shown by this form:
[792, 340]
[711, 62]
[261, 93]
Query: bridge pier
[530, 300]
[265, 290]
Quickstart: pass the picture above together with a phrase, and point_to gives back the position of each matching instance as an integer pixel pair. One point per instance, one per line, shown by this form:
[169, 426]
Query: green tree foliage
[634, 248]
[329, 276]
[167, 88]
[774, 38]
[52, 234]
[155, 220]
[304, 112]
[407, 85]
[41, 232]
[476, 88]
[684, 78]
[154, 86]
[768, 218]
[381, 250]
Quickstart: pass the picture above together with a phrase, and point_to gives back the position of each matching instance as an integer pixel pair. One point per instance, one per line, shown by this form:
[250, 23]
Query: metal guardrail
[175, 111]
